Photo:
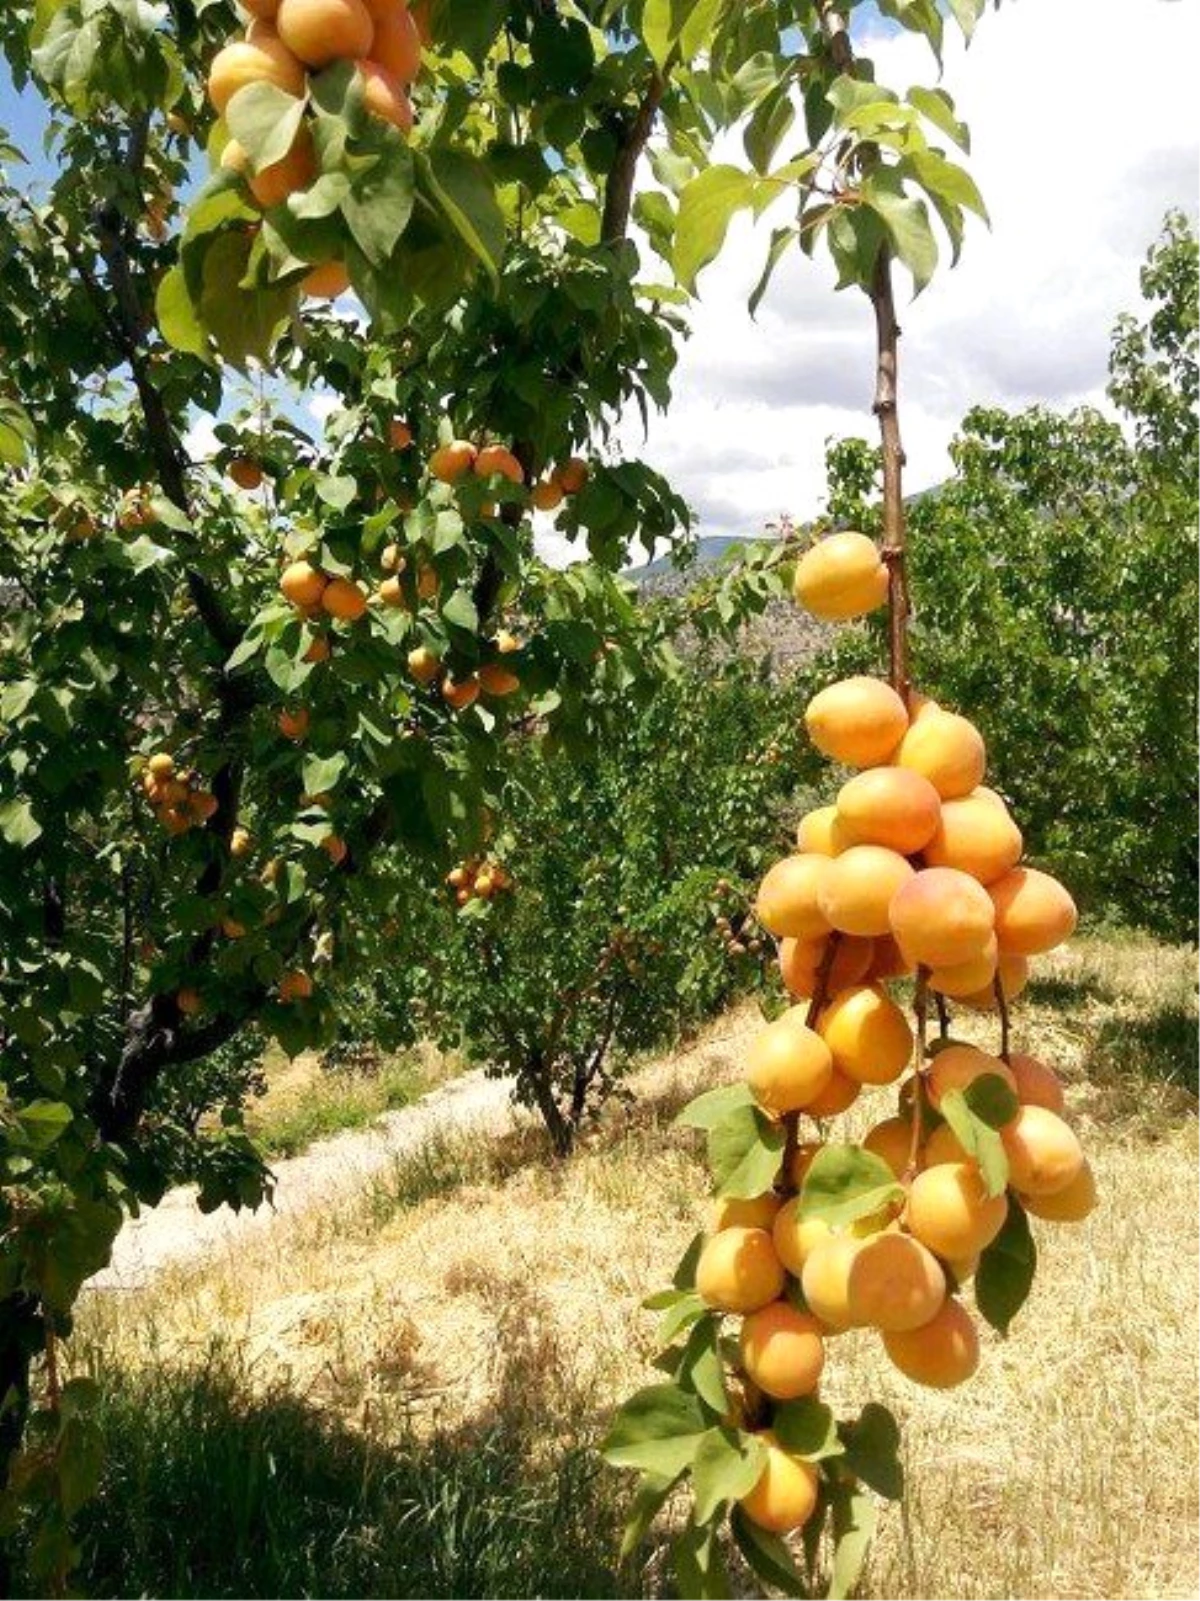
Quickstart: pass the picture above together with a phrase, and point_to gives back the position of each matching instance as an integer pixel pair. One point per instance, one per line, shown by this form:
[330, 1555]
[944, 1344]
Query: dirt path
[176, 1231]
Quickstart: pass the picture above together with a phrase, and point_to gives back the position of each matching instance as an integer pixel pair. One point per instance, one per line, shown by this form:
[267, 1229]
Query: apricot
[319, 650]
[321, 31]
[397, 44]
[1036, 1084]
[951, 1213]
[888, 806]
[287, 176]
[188, 1001]
[841, 577]
[867, 1034]
[967, 978]
[959, 1065]
[941, 1353]
[326, 281]
[451, 462]
[343, 598]
[336, 849]
[295, 986]
[759, 1212]
[818, 831]
[240, 842]
[738, 1270]
[161, 764]
[423, 664]
[245, 473]
[801, 1160]
[400, 437]
[787, 903]
[891, 1141]
[499, 459]
[887, 961]
[840, 1093]
[797, 1237]
[785, 1495]
[800, 959]
[1033, 911]
[941, 917]
[265, 9]
[391, 592]
[294, 724]
[1044, 1153]
[384, 96]
[459, 693]
[1071, 1204]
[975, 834]
[787, 1064]
[944, 1145]
[498, 681]
[266, 60]
[856, 890]
[572, 475]
[894, 1283]
[547, 495]
[858, 722]
[782, 1351]
[825, 1279]
[944, 748]
[1013, 973]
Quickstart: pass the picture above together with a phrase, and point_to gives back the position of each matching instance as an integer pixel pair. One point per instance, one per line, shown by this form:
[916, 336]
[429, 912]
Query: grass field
[402, 1399]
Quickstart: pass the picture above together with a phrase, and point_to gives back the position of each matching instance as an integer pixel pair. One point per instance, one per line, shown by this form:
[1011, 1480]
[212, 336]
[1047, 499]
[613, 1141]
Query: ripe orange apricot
[326, 281]
[950, 1212]
[758, 1212]
[572, 475]
[799, 961]
[391, 592]
[319, 650]
[384, 96]
[267, 60]
[161, 764]
[891, 1141]
[787, 903]
[888, 806]
[188, 1001]
[1071, 1204]
[547, 495]
[1036, 1084]
[782, 1351]
[1013, 975]
[944, 1145]
[787, 1064]
[294, 724]
[967, 978]
[343, 598]
[738, 1270]
[498, 681]
[321, 31]
[335, 848]
[451, 462]
[819, 831]
[397, 44]
[959, 1065]
[841, 577]
[797, 1237]
[1033, 911]
[894, 1283]
[295, 986]
[841, 1092]
[1044, 1153]
[946, 749]
[857, 888]
[975, 834]
[460, 693]
[423, 664]
[785, 1495]
[941, 917]
[499, 459]
[240, 842]
[428, 583]
[245, 473]
[867, 1034]
[942, 1353]
[825, 1279]
[303, 584]
[859, 721]
[265, 9]
[887, 960]
[400, 435]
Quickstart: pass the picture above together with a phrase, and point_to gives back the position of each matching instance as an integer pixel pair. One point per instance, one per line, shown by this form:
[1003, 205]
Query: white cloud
[1083, 133]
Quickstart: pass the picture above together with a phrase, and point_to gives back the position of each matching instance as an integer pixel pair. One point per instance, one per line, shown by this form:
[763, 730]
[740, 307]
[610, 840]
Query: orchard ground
[401, 1395]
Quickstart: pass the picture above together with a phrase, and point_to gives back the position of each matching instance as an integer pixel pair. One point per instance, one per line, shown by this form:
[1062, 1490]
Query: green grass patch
[330, 1102]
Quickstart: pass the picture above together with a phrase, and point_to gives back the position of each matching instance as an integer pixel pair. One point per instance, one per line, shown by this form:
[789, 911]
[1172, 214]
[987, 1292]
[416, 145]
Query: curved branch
[618, 191]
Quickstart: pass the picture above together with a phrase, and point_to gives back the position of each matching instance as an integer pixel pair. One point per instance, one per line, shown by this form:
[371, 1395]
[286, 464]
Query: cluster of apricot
[179, 799]
[914, 870]
[479, 880]
[284, 41]
[452, 462]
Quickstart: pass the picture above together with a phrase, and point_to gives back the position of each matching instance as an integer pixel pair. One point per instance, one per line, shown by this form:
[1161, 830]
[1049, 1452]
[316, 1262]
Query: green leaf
[18, 825]
[807, 1428]
[727, 1465]
[680, 1314]
[679, 27]
[744, 1153]
[967, 13]
[656, 1431]
[772, 118]
[463, 190]
[846, 1182]
[264, 120]
[380, 203]
[906, 221]
[700, 1369]
[781, 241]
[649, 1497]
[699, 1568]
[1005, 1273]
[979, 1139]
[714, 1106]
[853, 1527]
[706, 208]
[684, 1277]
[767, 1555]
[872, 1444]
[17, 434]
[947, 181]
[321, 773]
[992, 1099]
[936, 106]
[43, 1122]
[846, 94]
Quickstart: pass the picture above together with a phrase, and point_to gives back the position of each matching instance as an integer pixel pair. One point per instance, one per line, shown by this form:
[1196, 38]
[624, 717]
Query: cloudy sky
[1084, 131]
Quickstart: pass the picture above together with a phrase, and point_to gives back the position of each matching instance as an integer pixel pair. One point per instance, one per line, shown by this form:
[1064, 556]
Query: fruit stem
[820, 995]
[943, 1012]
[1002, 1008]
[887, 336]
[921, 1011]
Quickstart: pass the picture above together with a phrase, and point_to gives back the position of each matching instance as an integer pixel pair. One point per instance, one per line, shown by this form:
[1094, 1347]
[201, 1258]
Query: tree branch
[618, 190]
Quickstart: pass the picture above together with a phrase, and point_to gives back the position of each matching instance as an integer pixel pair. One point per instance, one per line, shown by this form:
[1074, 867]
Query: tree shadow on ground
[1157, 1049]
[210, 1493]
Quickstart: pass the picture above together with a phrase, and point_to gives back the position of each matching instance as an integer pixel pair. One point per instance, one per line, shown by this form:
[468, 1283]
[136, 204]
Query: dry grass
[489, 1285]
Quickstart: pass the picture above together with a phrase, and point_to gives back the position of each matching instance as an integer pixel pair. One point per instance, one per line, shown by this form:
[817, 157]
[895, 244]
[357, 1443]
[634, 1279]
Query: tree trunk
[560, 1128]
[20, 1341]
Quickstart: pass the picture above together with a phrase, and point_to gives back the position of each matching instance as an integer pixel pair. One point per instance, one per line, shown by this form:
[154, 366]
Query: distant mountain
[709, 551]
